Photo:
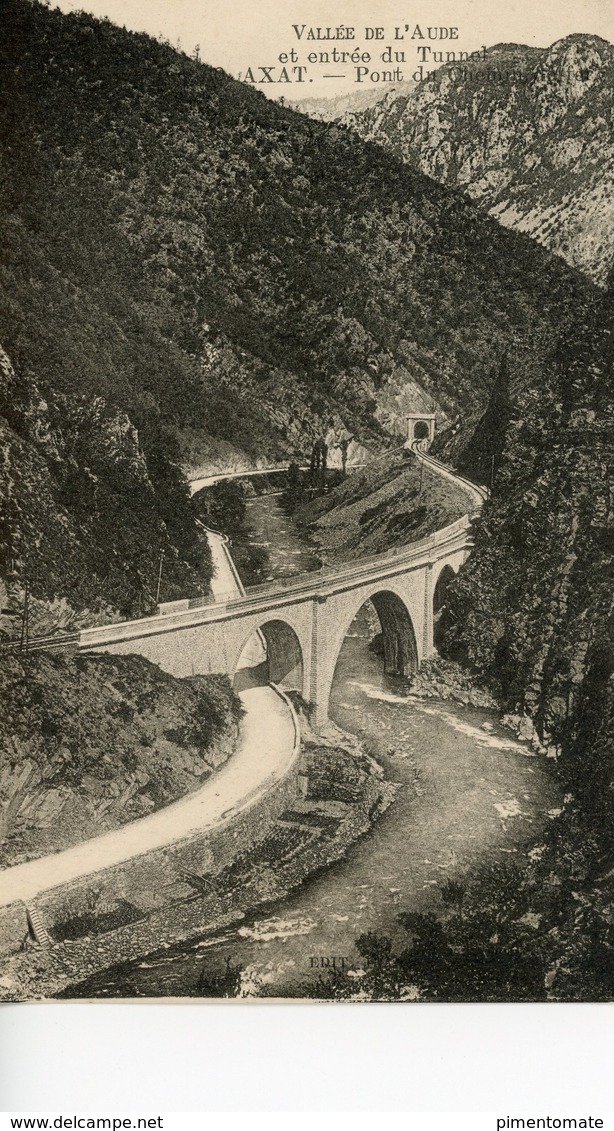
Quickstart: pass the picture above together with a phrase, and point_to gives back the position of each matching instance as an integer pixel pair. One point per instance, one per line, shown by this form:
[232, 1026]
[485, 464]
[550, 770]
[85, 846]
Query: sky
[242, 34]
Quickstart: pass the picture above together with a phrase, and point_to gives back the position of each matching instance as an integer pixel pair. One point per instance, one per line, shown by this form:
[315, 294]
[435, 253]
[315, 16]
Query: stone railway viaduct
[305, 621]
[303, 624]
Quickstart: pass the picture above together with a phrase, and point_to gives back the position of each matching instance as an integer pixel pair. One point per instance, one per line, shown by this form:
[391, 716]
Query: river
[271, 530]
[469, 794]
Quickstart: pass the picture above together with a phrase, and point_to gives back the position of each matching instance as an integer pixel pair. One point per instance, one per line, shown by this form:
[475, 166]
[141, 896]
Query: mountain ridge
[224, 271]
[534, 149]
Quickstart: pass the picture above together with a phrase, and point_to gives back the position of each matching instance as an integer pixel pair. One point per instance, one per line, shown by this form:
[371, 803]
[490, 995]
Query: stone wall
[252, 880]
[165, 876]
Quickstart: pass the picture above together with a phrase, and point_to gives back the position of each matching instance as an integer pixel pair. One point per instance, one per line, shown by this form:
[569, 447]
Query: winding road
[211, 480]
[269, 741]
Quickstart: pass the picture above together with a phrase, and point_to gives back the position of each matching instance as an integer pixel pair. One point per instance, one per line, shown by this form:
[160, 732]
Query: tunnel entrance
[421, 429]
[272, 654]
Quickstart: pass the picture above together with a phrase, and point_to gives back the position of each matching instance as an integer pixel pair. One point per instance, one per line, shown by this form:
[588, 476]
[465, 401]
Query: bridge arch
[400, 648]
[398, 635]
[444, 579]
[270, 653]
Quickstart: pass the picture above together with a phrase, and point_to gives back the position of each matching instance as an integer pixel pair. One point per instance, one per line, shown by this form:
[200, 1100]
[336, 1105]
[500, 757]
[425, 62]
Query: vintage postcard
[307, 501]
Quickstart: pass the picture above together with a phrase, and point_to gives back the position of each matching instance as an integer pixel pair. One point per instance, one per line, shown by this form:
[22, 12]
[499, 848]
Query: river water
[467, 796]
[273, 531]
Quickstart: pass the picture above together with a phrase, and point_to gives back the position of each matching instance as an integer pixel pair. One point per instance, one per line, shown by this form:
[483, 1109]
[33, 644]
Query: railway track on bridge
[325, 581]
[395, 580]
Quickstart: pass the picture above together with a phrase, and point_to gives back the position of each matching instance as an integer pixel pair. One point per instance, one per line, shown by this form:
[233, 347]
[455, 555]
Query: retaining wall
[163, 878]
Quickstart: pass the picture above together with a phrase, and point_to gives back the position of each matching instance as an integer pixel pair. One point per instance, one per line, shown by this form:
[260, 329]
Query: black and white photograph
[307, 501]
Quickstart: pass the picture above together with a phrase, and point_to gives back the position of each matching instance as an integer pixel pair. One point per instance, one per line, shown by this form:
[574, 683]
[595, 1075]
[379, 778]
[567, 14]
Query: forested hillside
[85, 513]
[183, 247]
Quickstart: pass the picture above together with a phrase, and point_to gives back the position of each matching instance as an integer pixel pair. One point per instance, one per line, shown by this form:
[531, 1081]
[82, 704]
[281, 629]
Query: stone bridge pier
[405, 610]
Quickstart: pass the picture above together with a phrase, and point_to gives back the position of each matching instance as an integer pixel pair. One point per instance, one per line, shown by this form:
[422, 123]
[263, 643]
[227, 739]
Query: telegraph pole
[25, 632]
[159, 576]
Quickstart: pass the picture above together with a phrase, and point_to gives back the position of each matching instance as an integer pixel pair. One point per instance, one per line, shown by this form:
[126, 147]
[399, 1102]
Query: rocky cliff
[532, 607]
[85, 512]
[330, 109]
[527, 133]
[532, 614]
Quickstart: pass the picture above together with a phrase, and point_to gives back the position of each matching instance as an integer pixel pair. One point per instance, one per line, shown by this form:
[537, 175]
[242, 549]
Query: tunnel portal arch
[421, 428]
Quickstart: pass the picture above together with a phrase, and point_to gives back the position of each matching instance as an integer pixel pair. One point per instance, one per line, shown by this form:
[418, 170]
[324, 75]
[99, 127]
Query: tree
[483, 454]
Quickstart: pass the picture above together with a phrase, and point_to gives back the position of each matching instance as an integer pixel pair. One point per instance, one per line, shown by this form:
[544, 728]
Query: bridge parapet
[478, 494]
[207, 634]
[321, 585]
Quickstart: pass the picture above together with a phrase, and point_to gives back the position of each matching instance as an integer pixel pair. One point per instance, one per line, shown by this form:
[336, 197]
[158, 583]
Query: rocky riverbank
[439, 678]
[445, 679]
